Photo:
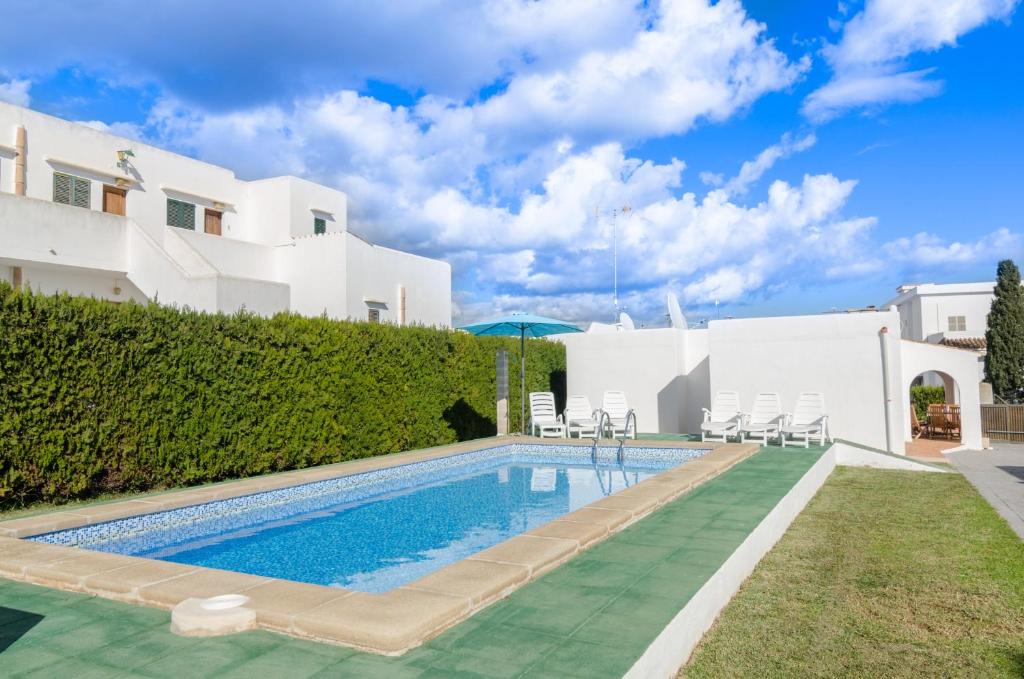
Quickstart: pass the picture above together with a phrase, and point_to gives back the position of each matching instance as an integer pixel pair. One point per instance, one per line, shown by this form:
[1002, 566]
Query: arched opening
[934, 400]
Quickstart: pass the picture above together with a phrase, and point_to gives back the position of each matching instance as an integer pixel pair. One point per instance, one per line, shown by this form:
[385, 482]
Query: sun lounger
[619, 421]
[544, 420]
[723, 420]
[808, 420]
[579, 417]
[764, 419]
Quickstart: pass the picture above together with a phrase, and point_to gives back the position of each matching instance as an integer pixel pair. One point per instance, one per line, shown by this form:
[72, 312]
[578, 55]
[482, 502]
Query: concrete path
[998, 474]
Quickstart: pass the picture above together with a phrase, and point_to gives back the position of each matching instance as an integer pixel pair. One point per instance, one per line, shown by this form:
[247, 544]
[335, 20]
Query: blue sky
[776, 157]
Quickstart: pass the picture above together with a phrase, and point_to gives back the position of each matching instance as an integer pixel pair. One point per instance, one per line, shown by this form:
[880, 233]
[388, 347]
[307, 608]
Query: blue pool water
[378, 530]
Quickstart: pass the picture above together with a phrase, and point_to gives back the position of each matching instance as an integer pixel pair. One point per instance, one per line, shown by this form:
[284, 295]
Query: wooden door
[114, 200]
[212, 225]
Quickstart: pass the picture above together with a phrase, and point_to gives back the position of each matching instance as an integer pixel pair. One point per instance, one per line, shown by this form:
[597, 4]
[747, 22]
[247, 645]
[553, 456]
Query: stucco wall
[375, 274]
[839, 355]
[648, 365]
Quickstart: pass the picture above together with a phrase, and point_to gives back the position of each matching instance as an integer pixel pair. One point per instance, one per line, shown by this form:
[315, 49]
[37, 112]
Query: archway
[935, 414]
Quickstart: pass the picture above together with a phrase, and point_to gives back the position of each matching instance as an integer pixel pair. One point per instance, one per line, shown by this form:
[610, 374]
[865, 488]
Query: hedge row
[97, 397]
[922, 396]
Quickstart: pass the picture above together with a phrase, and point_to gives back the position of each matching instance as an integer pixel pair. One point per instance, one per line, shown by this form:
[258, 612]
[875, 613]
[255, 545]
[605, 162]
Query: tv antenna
[625, 211]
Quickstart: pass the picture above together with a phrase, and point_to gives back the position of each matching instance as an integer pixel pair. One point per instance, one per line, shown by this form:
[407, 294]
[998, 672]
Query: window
[70, 190]
[319, 225]
[957, 323]
[181, 214]
[374, 316]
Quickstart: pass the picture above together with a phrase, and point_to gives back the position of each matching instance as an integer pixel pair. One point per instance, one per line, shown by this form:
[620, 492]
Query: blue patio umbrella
[523, 325]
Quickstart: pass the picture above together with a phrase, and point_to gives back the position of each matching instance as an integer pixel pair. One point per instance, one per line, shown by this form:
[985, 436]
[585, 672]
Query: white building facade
[91, 213]
[954, 315]
[933, 313]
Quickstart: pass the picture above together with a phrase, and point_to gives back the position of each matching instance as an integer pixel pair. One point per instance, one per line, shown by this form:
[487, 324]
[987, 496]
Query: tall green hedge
[923, 396]
[97, 397]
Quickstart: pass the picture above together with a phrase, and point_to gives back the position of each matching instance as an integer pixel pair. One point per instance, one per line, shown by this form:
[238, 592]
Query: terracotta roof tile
[976, 343]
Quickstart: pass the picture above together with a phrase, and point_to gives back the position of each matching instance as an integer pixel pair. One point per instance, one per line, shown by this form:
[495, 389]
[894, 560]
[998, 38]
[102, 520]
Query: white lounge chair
[764, 419]
[579, 417]
[544, 419]
[723, 420]
[619, 422]
[808, 420]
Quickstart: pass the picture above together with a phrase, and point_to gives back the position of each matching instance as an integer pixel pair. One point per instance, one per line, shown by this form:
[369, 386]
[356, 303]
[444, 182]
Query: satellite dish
[675, 314]
[626, 322]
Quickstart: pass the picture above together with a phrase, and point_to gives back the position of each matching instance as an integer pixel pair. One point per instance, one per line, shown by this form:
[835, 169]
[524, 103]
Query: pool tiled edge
[389, 623]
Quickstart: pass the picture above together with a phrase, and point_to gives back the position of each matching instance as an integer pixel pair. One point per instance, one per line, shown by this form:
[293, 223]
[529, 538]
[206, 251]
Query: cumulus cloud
[263, 54]
[868, 59]
[697, 60]
[928, 250]
[15, 92]
[517, 189]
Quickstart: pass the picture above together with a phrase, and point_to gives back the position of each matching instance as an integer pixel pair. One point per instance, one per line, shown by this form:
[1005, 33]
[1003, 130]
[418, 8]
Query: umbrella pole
[522, 378]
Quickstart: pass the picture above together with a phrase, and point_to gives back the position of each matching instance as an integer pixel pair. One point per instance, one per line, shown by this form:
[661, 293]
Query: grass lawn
[885, 574]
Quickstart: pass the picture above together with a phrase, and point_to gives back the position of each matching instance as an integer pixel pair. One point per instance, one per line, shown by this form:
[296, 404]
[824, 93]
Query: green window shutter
[61, 188]
[80, 192]
[319, 225]
[181, 214]
[71, 190]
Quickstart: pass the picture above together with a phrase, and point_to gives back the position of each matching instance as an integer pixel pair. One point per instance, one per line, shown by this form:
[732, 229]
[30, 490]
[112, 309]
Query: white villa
[953, 315]
[92, 213]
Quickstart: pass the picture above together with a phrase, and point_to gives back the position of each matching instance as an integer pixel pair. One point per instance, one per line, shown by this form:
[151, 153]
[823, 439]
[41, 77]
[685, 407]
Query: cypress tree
[1004, 360]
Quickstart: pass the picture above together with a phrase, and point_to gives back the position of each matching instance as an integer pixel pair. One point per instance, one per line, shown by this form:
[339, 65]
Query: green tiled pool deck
[592, 617]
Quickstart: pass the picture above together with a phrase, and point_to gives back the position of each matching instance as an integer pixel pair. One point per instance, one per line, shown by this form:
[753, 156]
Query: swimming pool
[378, 530]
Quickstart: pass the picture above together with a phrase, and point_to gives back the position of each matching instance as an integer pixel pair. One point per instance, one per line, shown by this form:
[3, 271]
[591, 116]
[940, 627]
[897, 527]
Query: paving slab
[998, 474]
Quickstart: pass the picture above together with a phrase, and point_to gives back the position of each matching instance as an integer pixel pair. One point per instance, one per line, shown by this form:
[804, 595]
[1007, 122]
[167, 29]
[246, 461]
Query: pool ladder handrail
[619, 453]
[630, 415]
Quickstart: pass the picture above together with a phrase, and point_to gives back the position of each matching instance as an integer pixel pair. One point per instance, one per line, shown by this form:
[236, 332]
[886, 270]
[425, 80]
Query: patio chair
[723, 419]
[764, 419]
[579, 417]
[808, 420]
[619, 422]
[916, 428]
[544, 420]
[953, 420]
[937, 419]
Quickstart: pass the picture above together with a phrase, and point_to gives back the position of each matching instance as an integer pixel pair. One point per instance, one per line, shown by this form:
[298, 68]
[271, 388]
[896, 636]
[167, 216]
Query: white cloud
[752, 170]
[506, 189]
[928, 250]
[15, 92]
[697, 60]
[868, 59]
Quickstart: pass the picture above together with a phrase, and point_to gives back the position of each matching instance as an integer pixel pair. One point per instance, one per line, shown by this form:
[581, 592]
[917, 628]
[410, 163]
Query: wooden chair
[953, 421]
[915, 424]
[936, 418]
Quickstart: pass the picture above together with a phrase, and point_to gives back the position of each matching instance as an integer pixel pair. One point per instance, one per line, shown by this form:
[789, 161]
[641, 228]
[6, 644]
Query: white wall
[375, 274]
[315, 268]
[839, 355]
[648, 365]
[50, 280]
[43, 232]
